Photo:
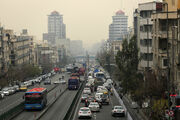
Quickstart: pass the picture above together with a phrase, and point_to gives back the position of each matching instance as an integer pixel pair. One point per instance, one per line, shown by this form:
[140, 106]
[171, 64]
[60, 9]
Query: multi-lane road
[15, 99]
[59, 108]
[105, 112]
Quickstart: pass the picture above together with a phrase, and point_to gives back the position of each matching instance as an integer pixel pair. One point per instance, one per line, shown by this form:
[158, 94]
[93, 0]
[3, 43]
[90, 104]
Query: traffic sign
[171, 113]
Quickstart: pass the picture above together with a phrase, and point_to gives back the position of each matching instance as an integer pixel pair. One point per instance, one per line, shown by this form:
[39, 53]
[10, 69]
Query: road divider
[121, 102]
[70, 113]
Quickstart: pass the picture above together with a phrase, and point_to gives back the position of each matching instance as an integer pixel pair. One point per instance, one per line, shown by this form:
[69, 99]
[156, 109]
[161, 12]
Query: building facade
[46, 56]
[165, 43]
[56, 28]
[119, 26]
[144, 33]
[21, 50]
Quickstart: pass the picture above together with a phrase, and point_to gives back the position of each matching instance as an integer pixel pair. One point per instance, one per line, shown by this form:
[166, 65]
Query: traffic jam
[96, 94]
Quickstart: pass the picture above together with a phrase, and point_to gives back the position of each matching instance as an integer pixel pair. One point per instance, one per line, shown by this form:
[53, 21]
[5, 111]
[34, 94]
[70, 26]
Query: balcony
[144, 49]
[163, 34]
[146, 21]
[144, 63]
[145, 35]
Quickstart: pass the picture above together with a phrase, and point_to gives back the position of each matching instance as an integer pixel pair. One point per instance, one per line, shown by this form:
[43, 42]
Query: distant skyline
[86, 20]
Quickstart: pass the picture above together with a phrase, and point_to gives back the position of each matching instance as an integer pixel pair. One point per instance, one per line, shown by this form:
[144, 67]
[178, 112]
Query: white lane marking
[95, 116]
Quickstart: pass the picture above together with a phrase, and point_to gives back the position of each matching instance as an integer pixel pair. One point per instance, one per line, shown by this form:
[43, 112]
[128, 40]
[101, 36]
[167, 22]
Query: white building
[144, 34]
[119, 26]
[56, 28]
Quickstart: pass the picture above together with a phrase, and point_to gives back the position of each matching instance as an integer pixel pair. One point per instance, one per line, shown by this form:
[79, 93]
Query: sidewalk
[135, 114]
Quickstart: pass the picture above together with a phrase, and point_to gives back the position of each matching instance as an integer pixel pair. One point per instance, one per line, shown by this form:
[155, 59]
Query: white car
[6, 91]
[118, 111]
[62, 81]
[87, 91]
[57, 82]
[1, 95]
[84, 112]
[94, 106]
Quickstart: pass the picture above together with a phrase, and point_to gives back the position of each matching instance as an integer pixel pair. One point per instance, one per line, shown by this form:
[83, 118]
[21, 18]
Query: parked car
[94, 106]
[12, 90]
[6, 91]
[1, 95]
[134, 105]
[23, 87]
[118, 111]
[84, 112]
[16, 88]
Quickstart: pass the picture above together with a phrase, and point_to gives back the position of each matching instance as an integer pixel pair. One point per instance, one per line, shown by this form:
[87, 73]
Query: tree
[127, 61]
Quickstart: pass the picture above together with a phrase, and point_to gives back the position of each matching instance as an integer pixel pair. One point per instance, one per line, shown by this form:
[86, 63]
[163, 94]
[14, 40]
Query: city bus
[73, 83]
[35, 98]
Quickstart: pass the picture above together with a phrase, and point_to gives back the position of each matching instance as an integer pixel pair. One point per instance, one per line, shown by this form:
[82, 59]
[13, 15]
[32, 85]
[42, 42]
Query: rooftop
[120, 12]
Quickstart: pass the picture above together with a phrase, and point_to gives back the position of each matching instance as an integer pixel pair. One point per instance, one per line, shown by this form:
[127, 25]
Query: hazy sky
[86, 20]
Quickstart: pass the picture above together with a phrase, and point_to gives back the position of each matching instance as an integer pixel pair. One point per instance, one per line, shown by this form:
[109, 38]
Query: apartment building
[165, 43]
[46, 56]
[143, 26]
[21, 50]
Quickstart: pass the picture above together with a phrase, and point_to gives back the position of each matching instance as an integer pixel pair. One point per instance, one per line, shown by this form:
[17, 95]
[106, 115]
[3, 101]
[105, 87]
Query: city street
[105, 112]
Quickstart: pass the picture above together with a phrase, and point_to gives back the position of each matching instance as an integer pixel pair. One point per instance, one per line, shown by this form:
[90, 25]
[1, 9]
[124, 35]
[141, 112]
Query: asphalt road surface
[105, 112]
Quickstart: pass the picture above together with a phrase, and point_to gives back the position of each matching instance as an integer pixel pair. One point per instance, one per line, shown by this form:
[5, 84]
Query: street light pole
[168, 67]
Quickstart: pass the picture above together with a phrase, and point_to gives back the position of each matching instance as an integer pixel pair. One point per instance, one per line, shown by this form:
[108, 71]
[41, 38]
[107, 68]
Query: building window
[165, 62]
[117, 48]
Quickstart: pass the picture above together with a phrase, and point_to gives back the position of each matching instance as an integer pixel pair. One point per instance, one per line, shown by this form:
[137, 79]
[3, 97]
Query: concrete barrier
[121, 102]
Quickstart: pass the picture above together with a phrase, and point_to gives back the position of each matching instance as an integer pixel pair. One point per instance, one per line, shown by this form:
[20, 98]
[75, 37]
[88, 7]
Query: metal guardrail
[12, 112]
[71, 110]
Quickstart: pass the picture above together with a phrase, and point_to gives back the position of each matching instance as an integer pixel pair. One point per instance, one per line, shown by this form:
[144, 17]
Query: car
[1, 95]
[23, 87]
[118, 111]
[105, 99]
[47, 81]
[84, 112]
[94, 106]
[16, 88]
[87, 91]
[12, 90]
[6, 91]
[84, 97]
[98, 97]
[57, 82]
[134, 105]
[62, 81]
